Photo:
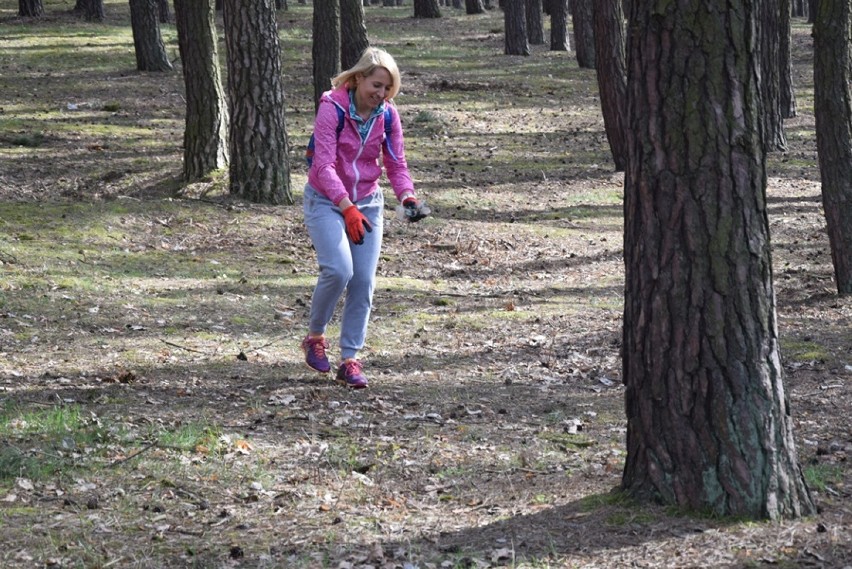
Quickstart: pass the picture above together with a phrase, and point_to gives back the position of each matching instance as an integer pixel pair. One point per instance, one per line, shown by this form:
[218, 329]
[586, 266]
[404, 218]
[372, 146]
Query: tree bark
[205, 139]
[353, 32]
[584, 32]
[426, 9]
[612, 75]
[535, 25]
[147, 41]
[708, 423]
[326, 45]
[30, 8]
[514, 17]
[785, 65]
[769, 50]
[559, 25]
[259, 167]
[833, 109]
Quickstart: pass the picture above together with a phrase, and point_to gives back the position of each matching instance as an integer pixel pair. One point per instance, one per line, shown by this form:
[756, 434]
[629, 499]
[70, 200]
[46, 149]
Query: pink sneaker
[349, 374]
[315, 357]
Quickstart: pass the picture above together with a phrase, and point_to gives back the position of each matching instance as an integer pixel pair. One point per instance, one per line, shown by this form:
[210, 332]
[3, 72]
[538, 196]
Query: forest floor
[154, 407]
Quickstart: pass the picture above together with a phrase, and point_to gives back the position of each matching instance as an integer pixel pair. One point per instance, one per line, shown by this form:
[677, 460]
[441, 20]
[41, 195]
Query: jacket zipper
[357, 156]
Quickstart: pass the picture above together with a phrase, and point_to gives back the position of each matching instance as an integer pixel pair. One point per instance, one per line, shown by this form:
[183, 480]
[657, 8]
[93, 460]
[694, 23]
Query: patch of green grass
[189, 437]
[820, 476]
[804, 350]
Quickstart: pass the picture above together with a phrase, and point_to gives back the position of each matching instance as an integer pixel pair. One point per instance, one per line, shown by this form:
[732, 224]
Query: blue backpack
[309, 151]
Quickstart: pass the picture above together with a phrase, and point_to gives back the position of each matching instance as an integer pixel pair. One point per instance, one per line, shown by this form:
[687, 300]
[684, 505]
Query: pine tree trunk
[259, 167]
[584, 32]
[514, 17]
[708, 422]
[535, 25]
[30, 8]
[353, 33]
[833, 93]
[205, 140]
[788, 95]
[147, 41]
[426, 9]
[612, 75]
[474, 7]
[326, 45]
[559, 25]
[770, 74]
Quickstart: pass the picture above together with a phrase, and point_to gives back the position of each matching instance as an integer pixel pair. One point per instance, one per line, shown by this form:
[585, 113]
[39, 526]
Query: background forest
[154, 408]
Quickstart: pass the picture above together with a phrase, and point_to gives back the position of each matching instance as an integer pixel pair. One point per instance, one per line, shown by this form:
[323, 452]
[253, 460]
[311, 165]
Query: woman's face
[372, 89]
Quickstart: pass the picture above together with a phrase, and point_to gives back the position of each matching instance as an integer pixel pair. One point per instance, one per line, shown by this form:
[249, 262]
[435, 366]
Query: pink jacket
[343, 166]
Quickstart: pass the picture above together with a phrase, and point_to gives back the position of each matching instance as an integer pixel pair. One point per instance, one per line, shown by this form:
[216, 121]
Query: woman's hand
[356, 224]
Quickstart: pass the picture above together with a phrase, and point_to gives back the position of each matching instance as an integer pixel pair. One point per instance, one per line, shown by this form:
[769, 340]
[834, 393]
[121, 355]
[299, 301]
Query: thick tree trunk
[769, 29]
[426, 9]
[205, 139]
[584, 32]
[833, 109]
[535, 25]
[326, 45]
[612, 75]
[353, 32]
[30, 9]
[147, 41]
[559, 25]
[259, 168]
[164, 11]
[514, 18]
[708, 422]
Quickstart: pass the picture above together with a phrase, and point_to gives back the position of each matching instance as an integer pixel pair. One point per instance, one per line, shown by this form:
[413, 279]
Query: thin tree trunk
[770, 74]
[559, 26]
[612, 75]
[584, 32]
[535, 25]
[326, 45]
[353, 32]
[205, 140]
[514, 17]
[147, 41]
[833, 109]
[788, 95]
[474, 7]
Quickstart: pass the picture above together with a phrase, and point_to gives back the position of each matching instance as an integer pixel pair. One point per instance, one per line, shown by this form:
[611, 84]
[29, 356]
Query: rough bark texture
[612, 75]
[769, 50]
[535, 24]
[559, 25]
[30, 8]
[426, 9]
[353, 32]
[326, 47]
[708, 420]
[474, 7]
[788, 96]
[259, 167]
[515, 23]
[584, 32]
[205, 138]
[833, 110]
[147, 41]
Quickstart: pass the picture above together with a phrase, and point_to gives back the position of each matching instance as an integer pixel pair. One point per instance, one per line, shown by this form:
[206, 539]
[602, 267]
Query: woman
[344, 205]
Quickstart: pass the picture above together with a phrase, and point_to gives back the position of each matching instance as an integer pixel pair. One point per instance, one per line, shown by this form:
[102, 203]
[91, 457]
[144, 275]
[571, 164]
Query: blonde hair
[370, 60]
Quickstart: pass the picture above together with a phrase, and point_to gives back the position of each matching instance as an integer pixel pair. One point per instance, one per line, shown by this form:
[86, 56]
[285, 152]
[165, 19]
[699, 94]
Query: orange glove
[356, 224]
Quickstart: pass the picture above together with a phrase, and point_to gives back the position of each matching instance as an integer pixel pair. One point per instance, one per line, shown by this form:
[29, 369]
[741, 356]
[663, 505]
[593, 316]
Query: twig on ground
[134, 455]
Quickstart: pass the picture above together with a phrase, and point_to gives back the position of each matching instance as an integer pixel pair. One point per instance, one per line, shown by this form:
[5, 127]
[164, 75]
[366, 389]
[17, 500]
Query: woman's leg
[328, 235]
[359, 292]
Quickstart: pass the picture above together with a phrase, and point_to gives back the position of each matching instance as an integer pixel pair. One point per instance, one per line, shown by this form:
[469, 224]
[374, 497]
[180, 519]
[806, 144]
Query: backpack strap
[311, 149]
[388, 127]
